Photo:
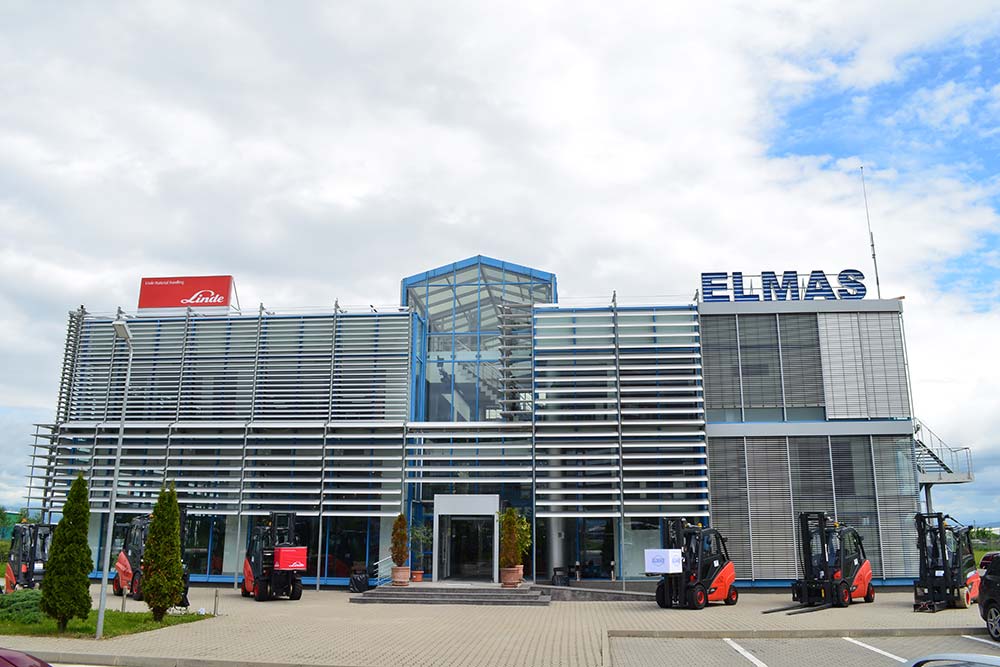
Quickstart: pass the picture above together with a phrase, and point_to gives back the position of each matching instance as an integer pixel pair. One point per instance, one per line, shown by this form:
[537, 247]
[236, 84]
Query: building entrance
[466, 537]
[467, 548]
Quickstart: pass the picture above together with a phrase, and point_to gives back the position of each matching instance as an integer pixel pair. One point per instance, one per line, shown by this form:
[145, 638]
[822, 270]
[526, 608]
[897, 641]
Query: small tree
[399, 545]
[523, 535]
[510, 548]
[420, 537]
[66, 586]
[162, 568]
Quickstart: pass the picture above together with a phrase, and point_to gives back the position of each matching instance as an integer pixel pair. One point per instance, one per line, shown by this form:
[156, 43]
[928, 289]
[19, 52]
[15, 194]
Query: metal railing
[383, 571]
[937, 459]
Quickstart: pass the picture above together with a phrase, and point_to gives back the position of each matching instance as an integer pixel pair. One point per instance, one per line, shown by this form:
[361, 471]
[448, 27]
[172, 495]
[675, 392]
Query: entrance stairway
[431, 594]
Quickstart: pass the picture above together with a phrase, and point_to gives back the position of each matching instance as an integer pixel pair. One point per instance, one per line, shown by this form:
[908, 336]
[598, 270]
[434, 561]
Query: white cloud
[328, 151]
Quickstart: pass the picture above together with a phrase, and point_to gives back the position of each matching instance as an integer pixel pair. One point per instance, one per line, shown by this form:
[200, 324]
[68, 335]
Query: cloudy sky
[327, 150]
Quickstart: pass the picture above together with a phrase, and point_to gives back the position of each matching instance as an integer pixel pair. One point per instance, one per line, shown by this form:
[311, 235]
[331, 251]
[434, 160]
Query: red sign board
[186, 292]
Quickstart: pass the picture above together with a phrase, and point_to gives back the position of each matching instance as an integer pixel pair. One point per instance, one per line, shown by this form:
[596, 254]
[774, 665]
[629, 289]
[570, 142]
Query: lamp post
[121, 331]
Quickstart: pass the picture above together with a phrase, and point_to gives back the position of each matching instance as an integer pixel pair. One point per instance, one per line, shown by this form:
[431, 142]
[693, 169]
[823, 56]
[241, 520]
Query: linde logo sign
[205, 296]
[186, 292]
[733, 286]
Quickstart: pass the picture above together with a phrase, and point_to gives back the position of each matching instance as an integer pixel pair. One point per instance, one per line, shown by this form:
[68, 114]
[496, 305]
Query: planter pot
[509, 577]
[401, 576]
[417, 575]
[520, 572]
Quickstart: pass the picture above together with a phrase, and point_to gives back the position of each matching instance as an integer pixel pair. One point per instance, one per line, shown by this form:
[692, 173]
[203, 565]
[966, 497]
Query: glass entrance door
[467, 547]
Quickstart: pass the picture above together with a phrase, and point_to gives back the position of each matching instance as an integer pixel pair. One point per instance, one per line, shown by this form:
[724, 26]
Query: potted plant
[420, 537]
[400, 573]
[510, 549]
[524, 542]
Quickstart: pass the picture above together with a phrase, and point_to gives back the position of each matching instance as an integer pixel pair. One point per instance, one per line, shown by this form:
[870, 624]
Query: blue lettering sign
[738, 293]
[819, 287]
[851, 286]
[785, 290]
[710, 283]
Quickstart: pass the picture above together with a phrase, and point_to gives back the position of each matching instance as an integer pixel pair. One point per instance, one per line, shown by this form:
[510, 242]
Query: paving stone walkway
[324, 629]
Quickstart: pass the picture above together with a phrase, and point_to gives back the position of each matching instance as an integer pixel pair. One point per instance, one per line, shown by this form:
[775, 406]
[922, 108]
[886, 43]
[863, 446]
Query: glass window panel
[465, 398]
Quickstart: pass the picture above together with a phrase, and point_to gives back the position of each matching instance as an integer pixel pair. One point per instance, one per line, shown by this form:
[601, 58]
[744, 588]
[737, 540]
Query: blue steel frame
[439, 278]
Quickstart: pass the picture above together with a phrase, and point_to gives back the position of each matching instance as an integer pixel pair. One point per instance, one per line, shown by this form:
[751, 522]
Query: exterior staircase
[431, 594]
[937, 463]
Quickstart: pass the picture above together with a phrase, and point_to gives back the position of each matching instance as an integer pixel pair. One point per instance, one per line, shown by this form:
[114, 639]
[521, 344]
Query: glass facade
[463, 306]
[596, 422]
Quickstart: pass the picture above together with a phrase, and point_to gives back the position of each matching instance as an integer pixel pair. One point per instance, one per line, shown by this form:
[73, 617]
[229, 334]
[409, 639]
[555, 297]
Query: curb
[145, 661]
[821, 633]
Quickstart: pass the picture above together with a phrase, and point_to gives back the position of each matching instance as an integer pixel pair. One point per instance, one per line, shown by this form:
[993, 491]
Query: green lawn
[115, 623]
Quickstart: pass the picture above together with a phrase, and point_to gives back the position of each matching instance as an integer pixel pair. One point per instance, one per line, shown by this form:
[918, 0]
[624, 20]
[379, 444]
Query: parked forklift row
[835, 569]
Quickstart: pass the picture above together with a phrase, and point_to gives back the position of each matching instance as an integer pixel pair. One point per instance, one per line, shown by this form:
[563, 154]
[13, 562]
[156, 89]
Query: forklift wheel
[296, 593]
[243, 589]
[116, 587]
[843, 594]
[963, 598]
[697, 599]
[661, 596]
[732, 596]
[870, 594]
[137, 589]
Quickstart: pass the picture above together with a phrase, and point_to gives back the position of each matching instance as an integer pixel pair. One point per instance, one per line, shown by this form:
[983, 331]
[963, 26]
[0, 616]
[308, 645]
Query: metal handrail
[934, 456]
[383, 571]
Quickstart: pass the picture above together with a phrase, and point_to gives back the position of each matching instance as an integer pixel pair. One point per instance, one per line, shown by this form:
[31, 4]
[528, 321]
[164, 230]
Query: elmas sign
[789, 287]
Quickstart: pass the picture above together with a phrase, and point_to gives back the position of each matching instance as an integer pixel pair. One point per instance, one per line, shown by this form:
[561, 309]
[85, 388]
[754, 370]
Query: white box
[663, 561]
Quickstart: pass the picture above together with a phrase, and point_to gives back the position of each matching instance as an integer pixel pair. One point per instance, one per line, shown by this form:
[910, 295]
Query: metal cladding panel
[721, 361]
[801, 360]
[885, 365]
[771, 513]
[760, 363]
[854, 490]
[843, 366]
[727, 475]
[864, 365]
[812, 480]
[469, 453]
[896, 483]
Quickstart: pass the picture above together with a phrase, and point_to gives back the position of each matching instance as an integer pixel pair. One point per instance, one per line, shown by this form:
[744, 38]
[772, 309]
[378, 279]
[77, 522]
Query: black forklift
[835, 570]
[128, 566]
[948, 575]
[274, 561]
[707, 574]
[29, 550]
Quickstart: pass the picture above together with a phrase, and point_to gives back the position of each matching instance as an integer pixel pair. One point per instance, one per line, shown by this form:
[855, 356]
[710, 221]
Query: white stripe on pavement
[985, 641]
[877, 650]
[745, 653]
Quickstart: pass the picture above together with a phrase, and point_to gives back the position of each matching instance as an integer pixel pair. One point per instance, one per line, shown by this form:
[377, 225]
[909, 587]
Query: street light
[121, 331]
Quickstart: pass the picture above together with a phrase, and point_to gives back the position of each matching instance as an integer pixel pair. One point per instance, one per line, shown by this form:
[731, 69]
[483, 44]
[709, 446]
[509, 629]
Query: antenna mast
[871, 237]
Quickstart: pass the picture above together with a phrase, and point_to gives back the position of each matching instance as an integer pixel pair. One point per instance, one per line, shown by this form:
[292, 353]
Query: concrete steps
[523, 596]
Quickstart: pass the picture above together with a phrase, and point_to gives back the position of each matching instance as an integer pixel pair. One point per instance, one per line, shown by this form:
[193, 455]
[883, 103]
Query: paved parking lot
[324, 629]
[832, 652]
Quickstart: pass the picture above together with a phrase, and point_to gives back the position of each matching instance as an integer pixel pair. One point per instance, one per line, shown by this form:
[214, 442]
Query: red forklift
[835, 570]
[274, 561]
[128, 566]
[29, 550]
[707, 574]
[948, 575]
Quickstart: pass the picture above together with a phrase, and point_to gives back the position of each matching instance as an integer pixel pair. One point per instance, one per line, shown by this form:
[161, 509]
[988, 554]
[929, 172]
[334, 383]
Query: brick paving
[323, 629]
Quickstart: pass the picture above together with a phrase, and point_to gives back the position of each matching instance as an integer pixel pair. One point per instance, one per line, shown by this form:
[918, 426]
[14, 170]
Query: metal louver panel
[363, 472]
[469, 452]
[771, 514]
[896, 483]
[885, 365]
[801, 360]
[854, 491]
[812, 480]
[720, 351]
[843, 366]
[727, 474]
[759, 361]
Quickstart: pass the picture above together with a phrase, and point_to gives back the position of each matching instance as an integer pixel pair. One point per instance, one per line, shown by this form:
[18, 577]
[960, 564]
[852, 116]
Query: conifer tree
[162, 568]
[398, 549]
[66, 585]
